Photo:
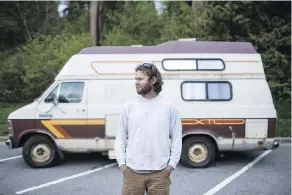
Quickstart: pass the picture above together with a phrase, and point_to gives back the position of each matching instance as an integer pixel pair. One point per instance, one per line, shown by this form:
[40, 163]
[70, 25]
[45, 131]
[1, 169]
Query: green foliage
[40, 69]
[178, 21]
[65, 25]
[135, 23]
[283, 119]
[11, 74]
[283, 127]
[23, 21]
[267, 30]
[283, 110]
[33, 67]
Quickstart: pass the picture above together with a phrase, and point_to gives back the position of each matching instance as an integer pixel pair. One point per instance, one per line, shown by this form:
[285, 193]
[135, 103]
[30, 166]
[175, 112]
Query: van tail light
[272, 127]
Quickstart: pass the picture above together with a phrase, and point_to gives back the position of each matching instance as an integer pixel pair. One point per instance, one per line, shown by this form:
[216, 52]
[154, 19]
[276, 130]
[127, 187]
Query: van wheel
[198, 152]
[40, 152]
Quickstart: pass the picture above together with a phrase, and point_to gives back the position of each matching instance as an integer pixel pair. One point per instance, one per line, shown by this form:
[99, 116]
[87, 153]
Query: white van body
[219, 88]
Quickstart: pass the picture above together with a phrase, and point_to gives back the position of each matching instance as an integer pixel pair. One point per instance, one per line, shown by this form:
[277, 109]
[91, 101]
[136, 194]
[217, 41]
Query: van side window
[69, 92]
[195, 64]
[179, 64]
[213, 64]
[206, 91]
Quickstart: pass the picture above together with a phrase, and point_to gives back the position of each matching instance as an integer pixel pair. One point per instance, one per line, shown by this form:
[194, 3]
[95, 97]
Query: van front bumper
[10, 143]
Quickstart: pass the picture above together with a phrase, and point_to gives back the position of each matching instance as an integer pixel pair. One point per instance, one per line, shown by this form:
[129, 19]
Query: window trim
[58, 92]
[206, 91]
[196, 61]
[50, 91]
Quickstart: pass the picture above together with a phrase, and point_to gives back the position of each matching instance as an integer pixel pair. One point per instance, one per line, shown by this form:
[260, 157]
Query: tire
[205, 152]
[40, 152]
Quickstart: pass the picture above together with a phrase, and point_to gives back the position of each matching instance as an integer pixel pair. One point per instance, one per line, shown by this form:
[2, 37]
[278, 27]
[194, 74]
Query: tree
[136, 23]
[23, 21]
[268, 30]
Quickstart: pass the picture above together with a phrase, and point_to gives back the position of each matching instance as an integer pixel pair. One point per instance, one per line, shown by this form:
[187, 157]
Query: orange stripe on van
[54, 126]
[52, 129]
[62, 131]
[212, 121]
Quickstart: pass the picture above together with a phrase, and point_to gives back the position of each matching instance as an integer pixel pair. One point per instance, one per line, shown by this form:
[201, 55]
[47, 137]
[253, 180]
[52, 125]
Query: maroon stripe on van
[177, 47]
[85, 131]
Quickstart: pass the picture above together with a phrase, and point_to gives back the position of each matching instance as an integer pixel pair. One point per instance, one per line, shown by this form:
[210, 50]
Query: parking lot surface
[240, 173]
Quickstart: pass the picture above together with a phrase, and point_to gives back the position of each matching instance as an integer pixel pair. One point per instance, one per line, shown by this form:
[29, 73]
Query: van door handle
[80, 110]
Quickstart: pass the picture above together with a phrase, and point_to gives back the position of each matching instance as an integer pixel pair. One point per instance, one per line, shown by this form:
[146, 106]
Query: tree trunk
[193, 4]
[23, 20]
[93, 14]
[100, 20]
[47, 10]
[96, 21]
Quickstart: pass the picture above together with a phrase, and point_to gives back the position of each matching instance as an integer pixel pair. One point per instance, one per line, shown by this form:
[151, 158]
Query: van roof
[170, 47]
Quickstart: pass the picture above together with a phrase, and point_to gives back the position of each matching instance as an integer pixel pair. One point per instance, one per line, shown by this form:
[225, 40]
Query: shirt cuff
[172, 163]
[121, 162]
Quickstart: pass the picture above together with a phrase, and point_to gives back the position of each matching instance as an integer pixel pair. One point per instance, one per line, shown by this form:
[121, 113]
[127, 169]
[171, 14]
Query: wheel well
[202, 135]
[29, 135]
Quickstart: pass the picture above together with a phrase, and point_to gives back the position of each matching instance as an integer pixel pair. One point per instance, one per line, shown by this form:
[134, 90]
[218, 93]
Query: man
[143, 149]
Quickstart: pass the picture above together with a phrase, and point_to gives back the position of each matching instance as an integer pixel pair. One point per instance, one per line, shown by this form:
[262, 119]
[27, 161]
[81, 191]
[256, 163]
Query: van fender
[41, 131]
[196, 132]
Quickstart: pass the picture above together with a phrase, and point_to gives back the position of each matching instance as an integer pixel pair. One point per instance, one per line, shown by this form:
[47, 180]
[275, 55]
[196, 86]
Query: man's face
[143, 85]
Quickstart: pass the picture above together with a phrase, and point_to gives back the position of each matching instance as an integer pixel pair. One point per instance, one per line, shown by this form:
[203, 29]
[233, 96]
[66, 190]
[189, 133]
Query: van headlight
[10, 128]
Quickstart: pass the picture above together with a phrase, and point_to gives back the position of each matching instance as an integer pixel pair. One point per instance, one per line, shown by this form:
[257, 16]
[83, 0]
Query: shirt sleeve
[121, 137]
[176, 137]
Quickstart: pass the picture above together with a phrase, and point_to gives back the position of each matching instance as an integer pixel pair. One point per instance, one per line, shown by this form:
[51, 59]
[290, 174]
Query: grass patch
[3, 130]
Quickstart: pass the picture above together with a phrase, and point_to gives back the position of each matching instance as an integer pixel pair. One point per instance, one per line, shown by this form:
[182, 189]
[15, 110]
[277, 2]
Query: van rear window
[206, 91]
[193, 64]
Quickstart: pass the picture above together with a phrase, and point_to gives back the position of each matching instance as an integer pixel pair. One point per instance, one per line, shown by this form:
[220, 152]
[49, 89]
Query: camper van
[219, 88]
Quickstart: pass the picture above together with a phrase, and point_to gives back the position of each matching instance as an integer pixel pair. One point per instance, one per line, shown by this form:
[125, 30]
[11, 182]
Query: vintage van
[220, 89]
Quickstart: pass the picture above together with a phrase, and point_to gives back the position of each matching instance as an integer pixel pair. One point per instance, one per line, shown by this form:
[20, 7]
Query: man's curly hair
[151, 71]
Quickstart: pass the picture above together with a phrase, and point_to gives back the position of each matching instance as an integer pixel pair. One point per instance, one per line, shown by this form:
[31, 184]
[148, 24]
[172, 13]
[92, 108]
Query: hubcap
[41, 153]
[198, 153]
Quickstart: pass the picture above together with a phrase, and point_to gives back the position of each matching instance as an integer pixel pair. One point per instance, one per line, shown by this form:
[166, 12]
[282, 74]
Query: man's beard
[145, 90]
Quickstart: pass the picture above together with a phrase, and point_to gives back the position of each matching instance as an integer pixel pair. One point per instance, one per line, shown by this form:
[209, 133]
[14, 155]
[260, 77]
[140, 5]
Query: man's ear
[153, 80]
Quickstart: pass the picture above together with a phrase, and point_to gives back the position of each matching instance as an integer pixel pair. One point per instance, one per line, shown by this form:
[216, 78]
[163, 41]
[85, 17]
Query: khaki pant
[157, 183]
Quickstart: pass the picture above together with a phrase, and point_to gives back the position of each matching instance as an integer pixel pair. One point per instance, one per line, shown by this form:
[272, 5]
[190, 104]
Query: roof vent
[136, 45]
[188, 39]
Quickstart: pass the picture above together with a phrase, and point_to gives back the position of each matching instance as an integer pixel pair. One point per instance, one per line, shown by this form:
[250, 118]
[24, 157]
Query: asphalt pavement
[239, 173]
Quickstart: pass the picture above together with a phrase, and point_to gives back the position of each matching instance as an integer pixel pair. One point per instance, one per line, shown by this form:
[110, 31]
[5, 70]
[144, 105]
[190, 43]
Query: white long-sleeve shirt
[149, 135]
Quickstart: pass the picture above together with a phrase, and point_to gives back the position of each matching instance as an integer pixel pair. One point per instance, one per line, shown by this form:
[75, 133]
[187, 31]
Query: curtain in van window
[219, 91]
[194, 91]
